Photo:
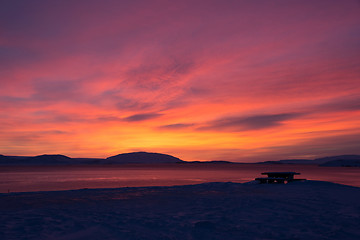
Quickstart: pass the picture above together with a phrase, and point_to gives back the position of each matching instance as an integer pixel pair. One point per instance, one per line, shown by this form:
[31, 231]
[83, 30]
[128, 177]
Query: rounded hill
[142, 157]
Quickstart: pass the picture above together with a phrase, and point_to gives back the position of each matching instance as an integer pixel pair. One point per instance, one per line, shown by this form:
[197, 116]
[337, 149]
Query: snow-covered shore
[302, 210]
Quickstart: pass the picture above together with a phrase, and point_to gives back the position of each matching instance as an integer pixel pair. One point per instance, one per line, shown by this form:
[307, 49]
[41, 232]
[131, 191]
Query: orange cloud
[230, 81]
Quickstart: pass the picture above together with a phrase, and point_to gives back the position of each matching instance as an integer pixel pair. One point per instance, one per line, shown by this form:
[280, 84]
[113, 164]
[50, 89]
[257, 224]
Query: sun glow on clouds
[235, 80]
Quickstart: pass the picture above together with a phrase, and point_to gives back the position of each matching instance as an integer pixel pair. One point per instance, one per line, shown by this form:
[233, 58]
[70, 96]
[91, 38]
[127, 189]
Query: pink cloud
[177, 65]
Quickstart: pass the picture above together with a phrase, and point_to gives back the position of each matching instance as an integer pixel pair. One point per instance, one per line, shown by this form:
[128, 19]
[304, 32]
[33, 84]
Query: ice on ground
[301, 210]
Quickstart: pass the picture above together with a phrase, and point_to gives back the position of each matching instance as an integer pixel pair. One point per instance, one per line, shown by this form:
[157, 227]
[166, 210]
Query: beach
[223, 210]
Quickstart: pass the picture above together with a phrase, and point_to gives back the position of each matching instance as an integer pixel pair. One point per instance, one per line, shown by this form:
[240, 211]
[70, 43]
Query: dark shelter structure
[278, 177]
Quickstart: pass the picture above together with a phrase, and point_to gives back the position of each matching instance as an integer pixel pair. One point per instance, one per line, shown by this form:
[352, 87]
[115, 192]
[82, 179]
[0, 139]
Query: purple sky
[202, 80]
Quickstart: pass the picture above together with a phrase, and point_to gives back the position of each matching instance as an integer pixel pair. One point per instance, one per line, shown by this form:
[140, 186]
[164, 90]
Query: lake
[49, 178]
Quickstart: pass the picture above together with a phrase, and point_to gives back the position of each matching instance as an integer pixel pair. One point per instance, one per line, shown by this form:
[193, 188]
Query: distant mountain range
[125, 158]
[46, 159]
[333, 161]
[150, 158]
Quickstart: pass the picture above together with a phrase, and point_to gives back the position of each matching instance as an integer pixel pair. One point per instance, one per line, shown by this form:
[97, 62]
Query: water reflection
[45, 178]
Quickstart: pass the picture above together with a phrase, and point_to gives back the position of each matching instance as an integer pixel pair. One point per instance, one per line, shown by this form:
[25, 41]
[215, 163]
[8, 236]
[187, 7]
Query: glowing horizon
[200, 80]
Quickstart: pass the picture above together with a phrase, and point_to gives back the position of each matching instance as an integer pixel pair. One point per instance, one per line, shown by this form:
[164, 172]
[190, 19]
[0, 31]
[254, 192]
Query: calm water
[42, 178]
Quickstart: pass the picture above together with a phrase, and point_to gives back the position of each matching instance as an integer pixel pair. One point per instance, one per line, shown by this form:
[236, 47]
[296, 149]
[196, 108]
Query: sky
[228, 80]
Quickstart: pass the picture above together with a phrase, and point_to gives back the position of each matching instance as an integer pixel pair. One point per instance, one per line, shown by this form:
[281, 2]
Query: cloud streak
[176, 126]
[255, 122]
[142, 117]
[178, 75]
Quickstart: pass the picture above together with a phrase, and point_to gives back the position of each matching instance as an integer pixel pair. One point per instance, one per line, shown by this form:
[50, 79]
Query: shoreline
[48, 178]
[250, 183]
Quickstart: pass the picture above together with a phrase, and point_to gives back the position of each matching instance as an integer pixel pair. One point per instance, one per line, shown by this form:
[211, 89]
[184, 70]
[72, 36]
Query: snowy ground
[303, 210]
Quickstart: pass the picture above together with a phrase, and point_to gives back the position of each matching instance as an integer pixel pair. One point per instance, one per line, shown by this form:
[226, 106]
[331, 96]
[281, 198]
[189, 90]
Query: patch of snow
[252, 182]
[298, 210]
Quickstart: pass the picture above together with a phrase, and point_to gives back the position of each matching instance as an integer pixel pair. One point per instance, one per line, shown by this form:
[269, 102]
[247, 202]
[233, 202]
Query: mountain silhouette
[142, 157]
